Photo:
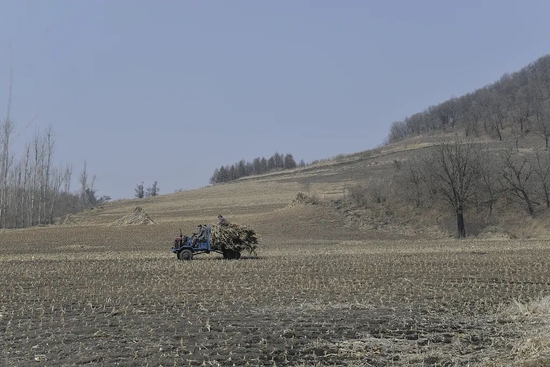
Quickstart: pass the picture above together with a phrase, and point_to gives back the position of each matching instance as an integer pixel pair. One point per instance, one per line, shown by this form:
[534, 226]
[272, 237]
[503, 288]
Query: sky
[167, 91]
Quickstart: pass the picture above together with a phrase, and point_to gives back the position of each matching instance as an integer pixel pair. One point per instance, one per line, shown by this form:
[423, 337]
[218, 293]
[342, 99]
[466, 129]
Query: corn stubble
[112, 299]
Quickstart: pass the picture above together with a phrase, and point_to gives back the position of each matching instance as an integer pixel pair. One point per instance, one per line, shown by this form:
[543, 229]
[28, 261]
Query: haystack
[305, 199]
[234, 237]
[138, 217]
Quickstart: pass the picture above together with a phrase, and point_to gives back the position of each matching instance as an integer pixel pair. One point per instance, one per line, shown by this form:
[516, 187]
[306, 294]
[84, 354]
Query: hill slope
[368, 193]
[266, 202]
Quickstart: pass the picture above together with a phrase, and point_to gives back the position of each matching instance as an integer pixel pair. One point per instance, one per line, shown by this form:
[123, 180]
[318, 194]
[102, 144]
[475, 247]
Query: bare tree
[496, 114]
[6, 131]
[87, 191]
[472, 117]
[448, 112]
[488, 174]
[542, 118]
[517, 174]
[452, 170]
[542, 172]
[415, 182]
[521, 108]
[83, 179]
[59, 177]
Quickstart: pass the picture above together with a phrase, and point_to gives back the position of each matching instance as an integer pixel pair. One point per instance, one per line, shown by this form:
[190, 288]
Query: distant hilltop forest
[519, 102]
[258, 166]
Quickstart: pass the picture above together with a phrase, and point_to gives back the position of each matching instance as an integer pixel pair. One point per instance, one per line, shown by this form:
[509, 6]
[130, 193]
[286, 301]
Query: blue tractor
[185, 247]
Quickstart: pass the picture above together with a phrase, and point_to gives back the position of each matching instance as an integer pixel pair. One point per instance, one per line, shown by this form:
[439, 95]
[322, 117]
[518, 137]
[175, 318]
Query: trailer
[186, 247]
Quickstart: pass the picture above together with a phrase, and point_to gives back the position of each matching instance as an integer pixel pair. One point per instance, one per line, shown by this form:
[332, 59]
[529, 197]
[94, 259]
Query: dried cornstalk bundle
[234, 237]
[138, 217]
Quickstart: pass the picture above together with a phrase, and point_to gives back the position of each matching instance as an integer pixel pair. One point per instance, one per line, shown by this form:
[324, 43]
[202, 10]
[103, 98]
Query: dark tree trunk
[460, 222]
[529, 204]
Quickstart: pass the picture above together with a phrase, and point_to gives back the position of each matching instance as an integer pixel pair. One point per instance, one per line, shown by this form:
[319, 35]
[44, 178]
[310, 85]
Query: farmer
[222, 221]
[201, 236]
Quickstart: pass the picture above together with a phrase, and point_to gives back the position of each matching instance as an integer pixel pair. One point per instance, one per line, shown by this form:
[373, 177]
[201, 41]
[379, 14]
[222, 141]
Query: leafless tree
[540, 74]
[452, 170]
[472, 117]
[517, 177]
[521, 108]
[398, 131]
[87, 191]
[6, 131]
[495, 115]
[415, 183]
[488, 174]
[542, 172]
[542, 116]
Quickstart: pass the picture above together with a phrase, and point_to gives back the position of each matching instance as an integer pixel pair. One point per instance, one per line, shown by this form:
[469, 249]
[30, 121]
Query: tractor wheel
[185, 255]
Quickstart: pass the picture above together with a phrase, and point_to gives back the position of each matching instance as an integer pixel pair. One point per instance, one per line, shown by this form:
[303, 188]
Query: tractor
[185, 250]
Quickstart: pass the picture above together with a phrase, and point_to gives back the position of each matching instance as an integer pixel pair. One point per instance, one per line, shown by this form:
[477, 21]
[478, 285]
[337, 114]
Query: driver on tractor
[200, 236]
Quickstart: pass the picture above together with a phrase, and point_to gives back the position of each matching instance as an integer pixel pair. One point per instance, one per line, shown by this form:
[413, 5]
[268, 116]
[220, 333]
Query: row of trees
[30, 186]
[141, 191]
[258, 166]
[518, 102]
[467, 176]
[33, 190]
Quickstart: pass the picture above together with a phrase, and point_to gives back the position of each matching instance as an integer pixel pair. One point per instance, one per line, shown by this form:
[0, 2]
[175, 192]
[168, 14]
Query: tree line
[518, 102]
[33, 190]
[467, 178]
[257, 166]
[142, 192]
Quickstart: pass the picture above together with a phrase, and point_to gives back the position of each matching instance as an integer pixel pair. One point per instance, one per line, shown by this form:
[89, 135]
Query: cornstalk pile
[234, 237]
[138, 217]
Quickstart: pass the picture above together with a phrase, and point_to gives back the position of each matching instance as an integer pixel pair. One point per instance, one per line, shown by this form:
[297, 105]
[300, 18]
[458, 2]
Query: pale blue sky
[170, 90]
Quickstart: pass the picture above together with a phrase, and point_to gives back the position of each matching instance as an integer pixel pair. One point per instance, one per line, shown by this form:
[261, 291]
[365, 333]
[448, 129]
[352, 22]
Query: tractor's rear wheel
[185, 255]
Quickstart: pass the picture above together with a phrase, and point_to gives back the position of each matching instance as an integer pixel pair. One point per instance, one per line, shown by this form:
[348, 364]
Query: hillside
[266, 202]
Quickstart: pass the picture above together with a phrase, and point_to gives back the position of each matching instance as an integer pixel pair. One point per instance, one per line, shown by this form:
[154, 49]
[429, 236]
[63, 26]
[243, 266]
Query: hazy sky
[170, 90]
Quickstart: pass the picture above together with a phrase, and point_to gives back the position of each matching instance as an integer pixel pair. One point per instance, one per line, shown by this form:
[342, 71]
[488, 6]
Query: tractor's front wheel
[185, 255]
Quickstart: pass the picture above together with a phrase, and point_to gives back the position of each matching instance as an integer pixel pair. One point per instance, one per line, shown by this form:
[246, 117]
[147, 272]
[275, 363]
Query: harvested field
[103, 295]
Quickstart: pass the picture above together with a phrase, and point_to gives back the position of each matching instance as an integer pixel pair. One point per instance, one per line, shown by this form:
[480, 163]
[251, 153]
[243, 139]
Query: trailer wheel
[237, 255]
[228, 254]
[185, 255]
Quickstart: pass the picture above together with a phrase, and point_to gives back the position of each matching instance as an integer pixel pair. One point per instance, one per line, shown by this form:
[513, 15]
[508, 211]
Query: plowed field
[103, 296]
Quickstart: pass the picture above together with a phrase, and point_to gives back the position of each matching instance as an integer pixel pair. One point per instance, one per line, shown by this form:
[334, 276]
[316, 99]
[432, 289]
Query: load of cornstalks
[234, 237]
